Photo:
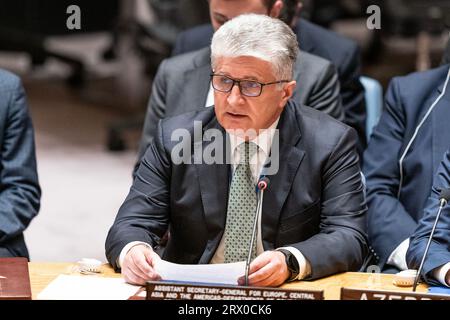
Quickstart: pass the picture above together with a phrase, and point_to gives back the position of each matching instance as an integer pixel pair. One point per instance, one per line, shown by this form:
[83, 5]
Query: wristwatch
[292, 264]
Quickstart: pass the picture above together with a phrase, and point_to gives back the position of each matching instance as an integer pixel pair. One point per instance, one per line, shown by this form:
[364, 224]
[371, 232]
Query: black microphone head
[444, 194]
[263, 183]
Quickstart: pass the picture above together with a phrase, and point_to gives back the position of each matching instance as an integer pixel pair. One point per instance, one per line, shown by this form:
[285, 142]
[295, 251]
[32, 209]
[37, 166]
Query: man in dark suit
[342, 52]
[401, 159]
[313, 216]
[19, 187]
[437, 262]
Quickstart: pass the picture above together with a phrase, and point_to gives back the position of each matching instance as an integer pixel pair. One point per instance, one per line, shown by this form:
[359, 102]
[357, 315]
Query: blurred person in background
[403, 155]
[437, 262]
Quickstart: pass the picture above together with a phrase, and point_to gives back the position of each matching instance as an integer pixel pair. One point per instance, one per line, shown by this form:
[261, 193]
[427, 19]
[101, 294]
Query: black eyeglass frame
[262, 85]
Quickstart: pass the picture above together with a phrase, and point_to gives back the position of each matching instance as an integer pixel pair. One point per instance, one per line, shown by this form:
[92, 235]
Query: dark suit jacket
[19, 188]
[439, 252]
[392, 219]
[342, 52]
[182, 83]
[315, 201]
[446, 55]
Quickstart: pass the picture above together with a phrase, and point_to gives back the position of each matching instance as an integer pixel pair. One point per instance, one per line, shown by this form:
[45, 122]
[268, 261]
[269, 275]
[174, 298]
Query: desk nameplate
[163, 290]
[366, 294]
[14, 279]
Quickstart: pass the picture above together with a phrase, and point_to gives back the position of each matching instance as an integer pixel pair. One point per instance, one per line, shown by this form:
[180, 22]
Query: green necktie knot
[246, 152]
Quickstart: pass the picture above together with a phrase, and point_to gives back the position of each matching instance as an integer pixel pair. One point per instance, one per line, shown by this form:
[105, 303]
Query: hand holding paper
[267, 270]
[142, 264]
[138, 265]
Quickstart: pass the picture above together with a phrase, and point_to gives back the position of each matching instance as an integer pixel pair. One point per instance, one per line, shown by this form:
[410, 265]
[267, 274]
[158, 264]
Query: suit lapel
[196, 81]
[281, 183]
[213, 180]
[440, 116]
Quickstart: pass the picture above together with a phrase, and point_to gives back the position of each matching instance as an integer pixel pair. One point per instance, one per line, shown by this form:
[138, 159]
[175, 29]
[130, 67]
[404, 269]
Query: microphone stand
[442, 204]
[262, 185]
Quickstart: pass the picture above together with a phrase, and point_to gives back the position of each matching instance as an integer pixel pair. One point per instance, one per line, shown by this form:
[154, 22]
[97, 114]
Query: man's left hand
[269, 269]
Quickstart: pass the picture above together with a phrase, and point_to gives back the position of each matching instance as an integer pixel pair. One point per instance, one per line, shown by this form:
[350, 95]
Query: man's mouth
[236, 115]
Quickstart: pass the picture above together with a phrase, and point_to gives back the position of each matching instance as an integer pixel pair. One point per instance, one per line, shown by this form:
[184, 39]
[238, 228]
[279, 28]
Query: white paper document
[226, 273]
[67, 287]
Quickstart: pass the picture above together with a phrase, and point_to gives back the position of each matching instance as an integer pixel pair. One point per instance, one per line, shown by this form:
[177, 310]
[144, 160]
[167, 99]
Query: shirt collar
[263, 140]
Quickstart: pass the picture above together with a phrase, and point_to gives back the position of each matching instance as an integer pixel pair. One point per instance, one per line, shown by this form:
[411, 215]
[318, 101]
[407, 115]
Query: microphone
[444, 196]
[262, 185]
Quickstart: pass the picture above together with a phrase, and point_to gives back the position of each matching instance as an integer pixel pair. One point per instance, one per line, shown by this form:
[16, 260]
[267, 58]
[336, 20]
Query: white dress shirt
[264, 142]
[441, 273]
[398, 259]
[398, 256]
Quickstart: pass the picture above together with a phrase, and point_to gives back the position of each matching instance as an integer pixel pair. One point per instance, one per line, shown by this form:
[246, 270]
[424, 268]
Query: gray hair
[258, 36]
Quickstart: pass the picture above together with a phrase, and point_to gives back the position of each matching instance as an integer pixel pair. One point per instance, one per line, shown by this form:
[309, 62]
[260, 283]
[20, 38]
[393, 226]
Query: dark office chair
[25, 25]
[409, 17]
[172, 17]
[419, 20]
[326, 12]
[154, 41]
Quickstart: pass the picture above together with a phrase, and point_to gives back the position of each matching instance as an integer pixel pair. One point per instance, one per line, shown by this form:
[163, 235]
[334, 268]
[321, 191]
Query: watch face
[289, 260]
[292, 264]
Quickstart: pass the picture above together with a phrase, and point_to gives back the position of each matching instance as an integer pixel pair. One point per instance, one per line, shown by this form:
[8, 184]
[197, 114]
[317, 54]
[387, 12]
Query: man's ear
[275, 11]
[288, 91]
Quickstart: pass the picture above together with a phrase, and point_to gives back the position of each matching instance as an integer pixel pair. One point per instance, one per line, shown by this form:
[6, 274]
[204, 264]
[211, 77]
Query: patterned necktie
[241, 208]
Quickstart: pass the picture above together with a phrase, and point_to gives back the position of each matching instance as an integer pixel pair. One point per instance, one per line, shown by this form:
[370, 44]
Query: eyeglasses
[248, 88]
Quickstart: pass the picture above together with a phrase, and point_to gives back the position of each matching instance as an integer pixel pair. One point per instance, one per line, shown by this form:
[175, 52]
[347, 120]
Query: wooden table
[41, 274]
[352, 280]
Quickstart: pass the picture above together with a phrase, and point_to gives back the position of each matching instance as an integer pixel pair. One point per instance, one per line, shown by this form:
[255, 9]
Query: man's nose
[235, 96]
